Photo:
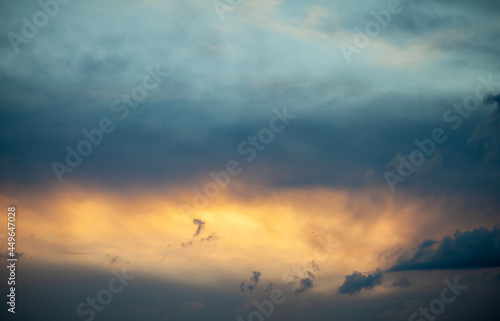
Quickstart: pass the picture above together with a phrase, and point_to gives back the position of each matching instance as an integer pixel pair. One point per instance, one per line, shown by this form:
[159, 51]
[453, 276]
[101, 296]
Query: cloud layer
[479, 248]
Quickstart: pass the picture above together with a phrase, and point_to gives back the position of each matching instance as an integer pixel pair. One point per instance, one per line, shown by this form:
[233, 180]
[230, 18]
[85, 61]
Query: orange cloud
[267, 231]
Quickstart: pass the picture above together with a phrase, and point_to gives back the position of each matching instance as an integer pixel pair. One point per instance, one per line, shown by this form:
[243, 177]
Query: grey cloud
[493, 99]
[187, 244]
[305, 284]
[479, 248]
[356, 282]
[487, 132]
[254, 281]
[201, 226]
[210, 238]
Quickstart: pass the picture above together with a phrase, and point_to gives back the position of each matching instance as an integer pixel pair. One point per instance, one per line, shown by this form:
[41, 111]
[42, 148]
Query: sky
[251, 159]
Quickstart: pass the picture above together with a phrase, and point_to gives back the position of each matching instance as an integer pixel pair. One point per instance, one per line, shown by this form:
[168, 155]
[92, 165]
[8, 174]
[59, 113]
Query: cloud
[428, 165]
[305, 284]
[255, 277]
[112, 258]
[77, 253]
[356, 282]
[254, 280]
[401, 283]
[493, 99]
[487, 132]
[315, 265]
[211, 237]
[304, 279]
[479, 248]
[187, 244]
[308, 282]
[201, 226]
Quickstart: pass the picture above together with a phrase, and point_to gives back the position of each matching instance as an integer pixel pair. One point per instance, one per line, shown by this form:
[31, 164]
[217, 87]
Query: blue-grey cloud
[479, 248]
[487, 132]
[305, 284]
[493, 99]
[210, 238]
[224, 80]
[254, 281]
[357, 281]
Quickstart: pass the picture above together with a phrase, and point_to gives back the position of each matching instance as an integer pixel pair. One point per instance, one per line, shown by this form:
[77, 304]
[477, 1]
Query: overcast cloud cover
[379, 181]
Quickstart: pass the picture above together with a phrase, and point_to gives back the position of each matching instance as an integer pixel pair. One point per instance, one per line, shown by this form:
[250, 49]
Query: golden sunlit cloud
[270, 232]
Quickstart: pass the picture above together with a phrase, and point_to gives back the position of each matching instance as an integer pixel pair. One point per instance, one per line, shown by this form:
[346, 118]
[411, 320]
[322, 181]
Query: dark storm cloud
[179, 142]
[356, 282]
[486, 135]
[493, 99]
[479, 248]
[161, 299]
[225, 79]
[166, 300]
[173, 138]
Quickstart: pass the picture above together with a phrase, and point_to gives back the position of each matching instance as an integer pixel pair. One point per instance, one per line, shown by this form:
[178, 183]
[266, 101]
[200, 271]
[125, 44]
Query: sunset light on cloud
[250, 160]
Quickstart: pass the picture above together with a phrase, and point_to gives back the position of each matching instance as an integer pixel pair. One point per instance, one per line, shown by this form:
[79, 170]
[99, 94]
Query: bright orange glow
[266, 232]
